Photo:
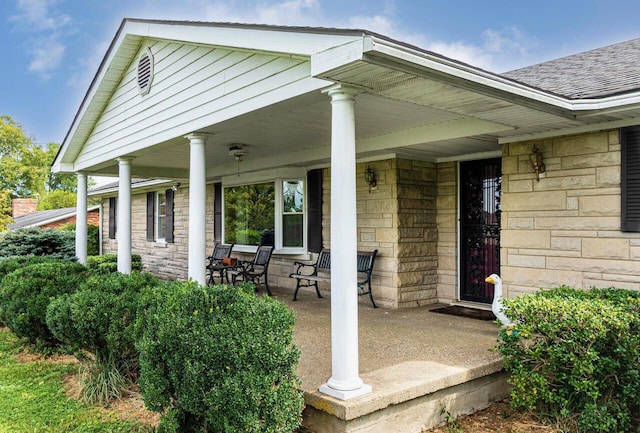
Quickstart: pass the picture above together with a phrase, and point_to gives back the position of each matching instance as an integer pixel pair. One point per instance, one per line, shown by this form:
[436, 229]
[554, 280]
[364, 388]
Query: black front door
[480, 191]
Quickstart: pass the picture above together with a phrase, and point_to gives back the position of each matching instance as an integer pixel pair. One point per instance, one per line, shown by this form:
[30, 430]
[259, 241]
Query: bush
[100, 318]
[39, 242]
[574, 356]
[26, 293]
[218, 359]
[108, 263]
[13, 263]
[93, 237]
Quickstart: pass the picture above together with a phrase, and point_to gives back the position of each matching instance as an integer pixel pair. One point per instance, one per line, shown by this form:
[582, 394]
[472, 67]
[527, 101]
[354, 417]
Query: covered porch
[416, 360]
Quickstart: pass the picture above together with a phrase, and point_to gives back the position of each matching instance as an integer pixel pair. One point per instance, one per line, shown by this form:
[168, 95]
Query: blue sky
[51, 49]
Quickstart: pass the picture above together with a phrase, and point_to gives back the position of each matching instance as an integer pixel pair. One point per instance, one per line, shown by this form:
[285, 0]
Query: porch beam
[81, 219]
[345, 382]
[124, 215]
[197, 207]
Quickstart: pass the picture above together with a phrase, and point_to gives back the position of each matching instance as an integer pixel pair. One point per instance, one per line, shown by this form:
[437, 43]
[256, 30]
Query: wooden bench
[308, 275]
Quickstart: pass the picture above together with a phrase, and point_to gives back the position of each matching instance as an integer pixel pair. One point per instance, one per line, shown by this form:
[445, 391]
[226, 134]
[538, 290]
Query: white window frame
[276, 177]
[160, 216]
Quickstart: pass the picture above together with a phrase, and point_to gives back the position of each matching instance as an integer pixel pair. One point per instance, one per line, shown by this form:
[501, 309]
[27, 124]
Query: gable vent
[145, 72]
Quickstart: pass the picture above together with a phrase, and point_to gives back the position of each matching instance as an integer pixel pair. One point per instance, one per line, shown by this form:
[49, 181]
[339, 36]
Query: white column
[345, 382]
[81, 219]
[197, 208]
[124, 215]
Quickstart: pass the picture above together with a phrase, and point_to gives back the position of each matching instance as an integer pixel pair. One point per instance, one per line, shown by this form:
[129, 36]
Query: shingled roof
[37, 219]
[598, 73]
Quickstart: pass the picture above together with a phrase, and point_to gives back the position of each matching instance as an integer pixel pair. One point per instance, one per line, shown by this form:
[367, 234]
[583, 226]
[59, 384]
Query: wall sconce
[370, 177]
[175, 186]
[536, 162]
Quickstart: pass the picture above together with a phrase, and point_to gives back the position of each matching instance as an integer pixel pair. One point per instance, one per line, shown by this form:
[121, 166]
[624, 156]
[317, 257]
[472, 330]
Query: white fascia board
[61, 167]
[370, 45]
[292, 41]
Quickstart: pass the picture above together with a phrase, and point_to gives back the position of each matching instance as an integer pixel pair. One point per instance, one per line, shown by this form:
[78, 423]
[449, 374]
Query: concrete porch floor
[416, 360]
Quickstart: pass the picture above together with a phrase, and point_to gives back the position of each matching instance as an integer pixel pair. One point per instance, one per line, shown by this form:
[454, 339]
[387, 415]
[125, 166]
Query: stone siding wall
[398, 218]
[166, 260]
[565, 229]
[447, 224]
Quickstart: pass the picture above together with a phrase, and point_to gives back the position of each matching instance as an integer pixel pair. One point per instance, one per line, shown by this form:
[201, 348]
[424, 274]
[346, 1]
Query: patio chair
[216, 262]
[255, 270]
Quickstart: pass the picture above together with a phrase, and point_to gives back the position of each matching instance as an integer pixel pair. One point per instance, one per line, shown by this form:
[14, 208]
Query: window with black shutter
[169, 220]
[151, 210]
[630, 178]
[113, 209]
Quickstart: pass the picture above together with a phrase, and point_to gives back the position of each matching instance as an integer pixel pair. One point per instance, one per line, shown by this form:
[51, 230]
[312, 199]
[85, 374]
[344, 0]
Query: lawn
[33, 398]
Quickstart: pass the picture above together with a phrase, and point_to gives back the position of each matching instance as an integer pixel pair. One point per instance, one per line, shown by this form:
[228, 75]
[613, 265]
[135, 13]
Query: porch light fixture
[370, 178]
[536, 162]
[175, 186]
[238, 152]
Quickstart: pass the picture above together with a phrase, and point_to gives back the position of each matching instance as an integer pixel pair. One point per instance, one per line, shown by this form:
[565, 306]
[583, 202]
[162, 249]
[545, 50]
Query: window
[270, 213]
[292, 213]
[161, 216]
[249, 212]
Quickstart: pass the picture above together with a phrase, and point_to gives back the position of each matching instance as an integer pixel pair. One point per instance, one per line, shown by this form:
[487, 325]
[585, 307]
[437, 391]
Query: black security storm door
[480, 191]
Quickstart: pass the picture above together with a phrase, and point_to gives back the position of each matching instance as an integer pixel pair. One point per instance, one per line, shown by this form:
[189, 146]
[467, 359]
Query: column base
[346, 395]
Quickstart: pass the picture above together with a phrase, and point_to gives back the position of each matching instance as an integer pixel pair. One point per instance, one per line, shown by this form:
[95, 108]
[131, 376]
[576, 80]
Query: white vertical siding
[193, 87]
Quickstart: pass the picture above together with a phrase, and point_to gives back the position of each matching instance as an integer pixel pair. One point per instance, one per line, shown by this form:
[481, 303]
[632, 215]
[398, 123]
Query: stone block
[540, 278]
[605, 266]
[591, 160]
[608, 205]
[509, 165]
[578, 223]
[417, 249]
[565, 243]
[381, 206]
[565, 183]
[526, 261]
[386, 235]
[607, 177]
[520, 223]
[597, 142]
[520, 186]
[534, 201]
[605, 248]
[525, 239]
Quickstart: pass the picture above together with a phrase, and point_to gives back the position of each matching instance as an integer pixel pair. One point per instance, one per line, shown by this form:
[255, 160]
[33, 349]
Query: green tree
[25, 171]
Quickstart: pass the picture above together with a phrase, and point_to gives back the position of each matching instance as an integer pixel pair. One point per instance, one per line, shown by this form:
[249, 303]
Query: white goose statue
[497, 306]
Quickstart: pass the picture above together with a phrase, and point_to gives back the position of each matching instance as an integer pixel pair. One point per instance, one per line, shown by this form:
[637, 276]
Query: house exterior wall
[166, 260]
[565, 229]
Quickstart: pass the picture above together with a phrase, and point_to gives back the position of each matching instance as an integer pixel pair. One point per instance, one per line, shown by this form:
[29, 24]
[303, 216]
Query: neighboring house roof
[136, 183]
[596, 73]
[44, 217]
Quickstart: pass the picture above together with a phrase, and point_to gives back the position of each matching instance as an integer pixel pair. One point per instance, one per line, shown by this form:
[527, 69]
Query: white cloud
[36, 15]
[47, 50]
[47, 56]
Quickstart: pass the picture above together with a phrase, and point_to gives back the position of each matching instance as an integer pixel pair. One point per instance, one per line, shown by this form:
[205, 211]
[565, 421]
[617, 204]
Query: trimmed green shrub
[26, 293]
[100, 318]
[38, 242]
[574, 356]
[93, 237]
[108, 263]
[218, 359]
[10, 264]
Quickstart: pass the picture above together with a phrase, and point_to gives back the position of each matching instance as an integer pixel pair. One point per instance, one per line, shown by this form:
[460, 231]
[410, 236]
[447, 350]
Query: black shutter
[630, 178]
[168, 220]
[217, 212]
[112, 217]
[314, 210]
[151, 207]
